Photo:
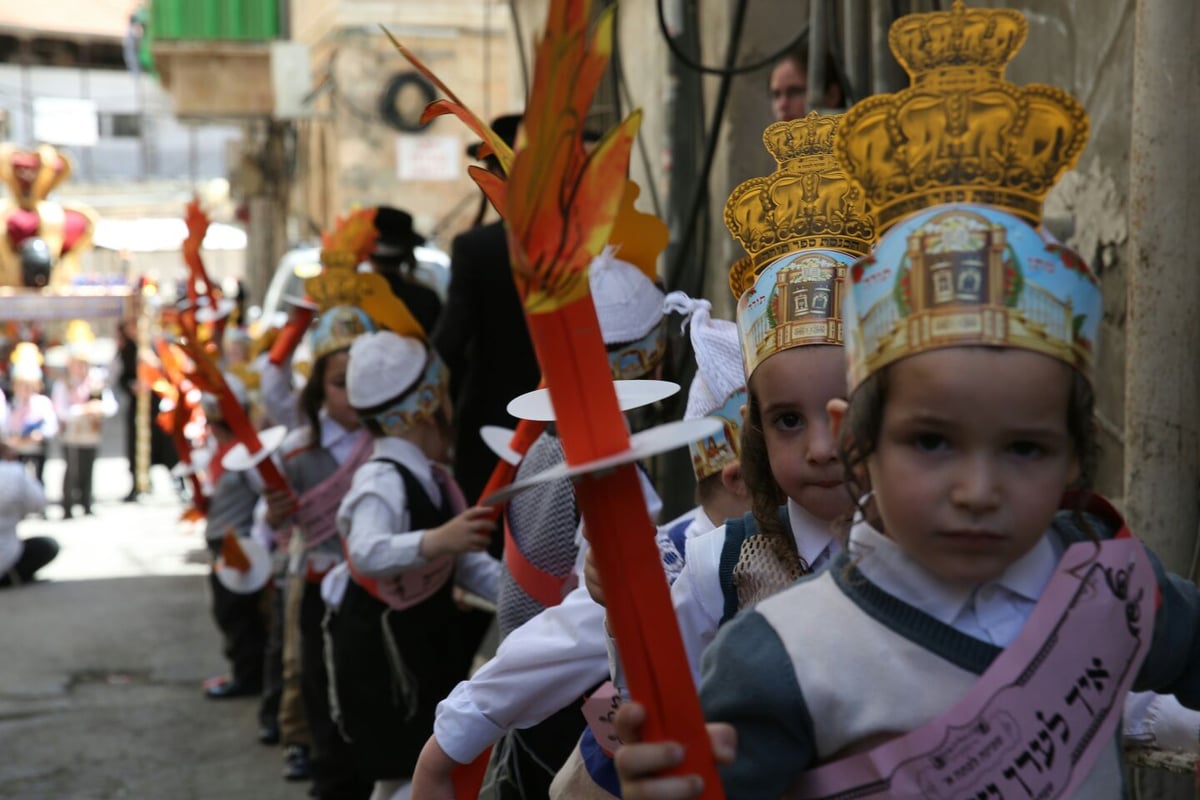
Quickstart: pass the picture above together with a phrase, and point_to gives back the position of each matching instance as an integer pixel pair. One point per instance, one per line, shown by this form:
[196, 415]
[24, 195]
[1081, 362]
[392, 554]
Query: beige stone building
[355, 149]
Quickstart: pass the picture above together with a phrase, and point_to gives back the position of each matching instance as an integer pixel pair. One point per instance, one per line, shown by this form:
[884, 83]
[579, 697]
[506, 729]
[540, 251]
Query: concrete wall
[1082, 46]
[167, 149]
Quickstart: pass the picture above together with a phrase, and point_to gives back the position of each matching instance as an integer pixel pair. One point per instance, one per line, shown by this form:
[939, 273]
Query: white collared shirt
[375, 523]
[697, 595]
[992, 612]
[339, 441]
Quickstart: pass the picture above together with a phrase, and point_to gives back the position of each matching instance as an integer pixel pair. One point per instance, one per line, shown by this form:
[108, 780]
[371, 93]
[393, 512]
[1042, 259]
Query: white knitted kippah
[719, 371]
[382, 365]
[628, 303]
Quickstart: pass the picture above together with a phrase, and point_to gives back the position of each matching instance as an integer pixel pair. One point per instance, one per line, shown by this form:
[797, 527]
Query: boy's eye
[789, 420]
[1026, 449]
[930, 442]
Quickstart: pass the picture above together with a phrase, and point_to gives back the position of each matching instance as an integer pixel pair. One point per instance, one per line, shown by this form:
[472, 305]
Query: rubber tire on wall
[391, 93]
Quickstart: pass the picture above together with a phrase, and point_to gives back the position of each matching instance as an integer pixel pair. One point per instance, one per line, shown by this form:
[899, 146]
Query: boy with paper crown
[552, 660]
[395, 646]
[319, 459]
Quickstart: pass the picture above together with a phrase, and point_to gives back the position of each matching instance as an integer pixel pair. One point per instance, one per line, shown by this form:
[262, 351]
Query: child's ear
[836, 409]
[731, 479]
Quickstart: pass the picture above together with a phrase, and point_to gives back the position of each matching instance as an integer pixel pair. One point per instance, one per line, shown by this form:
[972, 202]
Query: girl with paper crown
[800, 244]
[396, 646]
[979, 566]
[319, 459]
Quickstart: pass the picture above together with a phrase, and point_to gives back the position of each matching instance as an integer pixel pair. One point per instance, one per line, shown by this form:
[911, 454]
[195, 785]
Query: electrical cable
[729, 69]
[643, 152]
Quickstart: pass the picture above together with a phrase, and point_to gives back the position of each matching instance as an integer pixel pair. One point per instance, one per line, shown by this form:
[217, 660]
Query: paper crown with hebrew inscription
[352, 303]
[955, 168]
[802, 225]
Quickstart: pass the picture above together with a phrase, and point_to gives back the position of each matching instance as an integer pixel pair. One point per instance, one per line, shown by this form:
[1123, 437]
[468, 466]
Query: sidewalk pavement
[100, 688]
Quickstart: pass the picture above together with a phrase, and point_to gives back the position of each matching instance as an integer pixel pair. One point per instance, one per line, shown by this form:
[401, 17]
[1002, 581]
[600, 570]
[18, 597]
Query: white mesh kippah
[382, 365]
[719, 371]
[628, 303]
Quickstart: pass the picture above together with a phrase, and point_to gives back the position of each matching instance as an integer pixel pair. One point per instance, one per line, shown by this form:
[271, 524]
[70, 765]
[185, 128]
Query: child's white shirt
[20, 494]
[994, 612]
[374, 519]
[697, 596]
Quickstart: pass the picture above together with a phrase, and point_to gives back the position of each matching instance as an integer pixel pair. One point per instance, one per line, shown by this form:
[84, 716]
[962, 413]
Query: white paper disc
[300, 302]
[224, 308]
[239, 458]
[252, 579]
[497, 439]
[631, 394]
[648, 443]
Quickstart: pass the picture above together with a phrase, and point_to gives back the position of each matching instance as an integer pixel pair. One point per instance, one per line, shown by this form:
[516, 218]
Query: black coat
[483, 338]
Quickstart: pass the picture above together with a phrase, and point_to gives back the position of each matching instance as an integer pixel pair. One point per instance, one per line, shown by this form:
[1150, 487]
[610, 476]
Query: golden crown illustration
[960, 132]
[807, 203]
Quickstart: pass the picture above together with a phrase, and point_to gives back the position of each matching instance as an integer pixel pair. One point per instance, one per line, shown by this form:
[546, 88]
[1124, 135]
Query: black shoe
[295, 763]
[268, 732]
[132, 497]
[225, 688]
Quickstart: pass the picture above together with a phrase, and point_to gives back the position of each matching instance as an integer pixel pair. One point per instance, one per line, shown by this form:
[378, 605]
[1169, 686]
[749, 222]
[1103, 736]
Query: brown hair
[312, 398]
[859, 436]
[766, 496]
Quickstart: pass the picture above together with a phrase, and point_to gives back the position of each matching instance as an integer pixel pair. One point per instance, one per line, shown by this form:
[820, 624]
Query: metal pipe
[856, 32]
[818, 52]
[1162, 333]
[886, 75]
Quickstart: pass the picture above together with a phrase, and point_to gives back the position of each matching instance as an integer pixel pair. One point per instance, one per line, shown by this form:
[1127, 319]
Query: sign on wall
[428, 158]
[66, 121]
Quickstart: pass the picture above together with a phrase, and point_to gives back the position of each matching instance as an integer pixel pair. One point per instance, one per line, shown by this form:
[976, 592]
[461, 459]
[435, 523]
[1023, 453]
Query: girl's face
[972, 458]
[337, 403]
[792, 389]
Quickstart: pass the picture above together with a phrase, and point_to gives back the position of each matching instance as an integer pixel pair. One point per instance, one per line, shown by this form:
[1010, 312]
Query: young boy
[395, 638]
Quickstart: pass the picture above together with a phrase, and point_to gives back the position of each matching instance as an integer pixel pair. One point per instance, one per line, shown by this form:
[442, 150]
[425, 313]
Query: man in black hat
[395, 258]
[483, 339]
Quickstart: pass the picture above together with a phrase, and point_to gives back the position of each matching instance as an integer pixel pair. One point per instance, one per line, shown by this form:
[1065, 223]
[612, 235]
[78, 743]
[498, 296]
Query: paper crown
[26, 361]
[960, 132]
[397, 381]
[802, 225]
[350, 302]
[79, 339]
[974, 271]
[719, 387]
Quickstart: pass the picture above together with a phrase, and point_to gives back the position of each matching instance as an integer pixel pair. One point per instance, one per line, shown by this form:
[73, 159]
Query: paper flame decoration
[560, 203]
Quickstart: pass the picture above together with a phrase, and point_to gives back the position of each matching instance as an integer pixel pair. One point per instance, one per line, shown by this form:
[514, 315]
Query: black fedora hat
[395, 232]
[505, 127]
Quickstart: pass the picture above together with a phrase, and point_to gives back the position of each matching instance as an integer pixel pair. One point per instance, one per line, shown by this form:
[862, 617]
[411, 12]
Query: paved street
[100, 681]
